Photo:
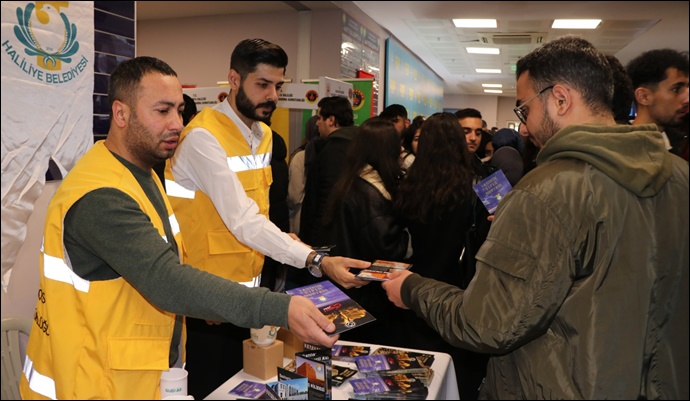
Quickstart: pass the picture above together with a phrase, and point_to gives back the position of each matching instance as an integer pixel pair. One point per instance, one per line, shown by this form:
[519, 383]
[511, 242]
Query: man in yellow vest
[113, 293]
[218, 183]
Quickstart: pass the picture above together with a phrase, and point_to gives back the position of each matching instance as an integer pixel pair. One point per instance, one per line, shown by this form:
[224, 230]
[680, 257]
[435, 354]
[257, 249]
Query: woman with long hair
[360, 212]
[435, 202]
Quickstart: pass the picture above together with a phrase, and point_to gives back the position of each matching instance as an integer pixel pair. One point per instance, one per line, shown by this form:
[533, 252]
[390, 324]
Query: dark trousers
[214, 354]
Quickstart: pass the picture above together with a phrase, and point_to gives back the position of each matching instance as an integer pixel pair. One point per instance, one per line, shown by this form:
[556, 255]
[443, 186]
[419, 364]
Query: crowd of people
[577, 287]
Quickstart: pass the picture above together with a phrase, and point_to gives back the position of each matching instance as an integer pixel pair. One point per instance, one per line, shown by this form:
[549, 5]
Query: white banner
[207, 96]
[299, 96]
[333, 87]
[47, 104]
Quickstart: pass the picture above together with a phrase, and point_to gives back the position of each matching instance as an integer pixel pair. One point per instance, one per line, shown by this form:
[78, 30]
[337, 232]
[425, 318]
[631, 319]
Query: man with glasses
[521, 109]
[581, 289]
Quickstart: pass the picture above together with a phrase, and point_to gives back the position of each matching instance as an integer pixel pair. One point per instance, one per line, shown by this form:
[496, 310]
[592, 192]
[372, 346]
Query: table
[443, 386]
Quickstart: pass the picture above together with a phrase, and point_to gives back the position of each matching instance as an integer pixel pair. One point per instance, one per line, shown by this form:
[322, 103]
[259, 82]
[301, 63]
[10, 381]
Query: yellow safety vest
[210, 246]
[94, 339]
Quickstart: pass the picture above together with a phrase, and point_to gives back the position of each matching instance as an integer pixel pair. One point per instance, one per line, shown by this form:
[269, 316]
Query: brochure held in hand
[342, 310]
[492, 189]
[380, 270]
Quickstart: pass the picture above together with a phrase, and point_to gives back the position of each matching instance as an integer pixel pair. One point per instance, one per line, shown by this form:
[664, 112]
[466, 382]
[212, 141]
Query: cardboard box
[291, 343]
[262, 362]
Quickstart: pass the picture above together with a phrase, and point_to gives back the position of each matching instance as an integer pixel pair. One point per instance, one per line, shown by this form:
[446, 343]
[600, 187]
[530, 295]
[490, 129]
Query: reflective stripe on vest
[176, 190]
[39, 383]
[56, 269]
[255, 282]
[236, 164]
[174, 226]
[249, 162]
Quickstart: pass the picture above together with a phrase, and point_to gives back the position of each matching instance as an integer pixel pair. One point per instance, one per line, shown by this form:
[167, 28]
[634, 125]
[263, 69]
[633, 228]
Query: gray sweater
[108, 236]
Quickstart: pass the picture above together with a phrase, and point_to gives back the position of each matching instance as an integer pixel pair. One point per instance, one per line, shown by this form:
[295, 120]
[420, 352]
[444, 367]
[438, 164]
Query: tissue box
[291, 344]
[262, 362]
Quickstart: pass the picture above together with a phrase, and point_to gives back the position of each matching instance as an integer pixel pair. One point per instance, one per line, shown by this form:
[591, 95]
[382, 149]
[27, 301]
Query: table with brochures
[443, 385]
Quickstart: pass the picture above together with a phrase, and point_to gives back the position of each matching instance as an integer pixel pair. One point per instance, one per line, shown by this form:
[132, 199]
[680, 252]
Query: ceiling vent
[529, 38]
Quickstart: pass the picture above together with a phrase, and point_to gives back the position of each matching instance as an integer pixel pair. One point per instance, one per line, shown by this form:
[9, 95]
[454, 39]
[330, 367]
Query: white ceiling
[425, 28]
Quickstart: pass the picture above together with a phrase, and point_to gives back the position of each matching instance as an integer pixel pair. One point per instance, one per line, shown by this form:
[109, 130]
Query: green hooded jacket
[581, 290]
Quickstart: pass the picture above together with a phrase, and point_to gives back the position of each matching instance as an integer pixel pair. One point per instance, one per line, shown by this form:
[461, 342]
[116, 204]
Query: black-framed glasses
[520, 113]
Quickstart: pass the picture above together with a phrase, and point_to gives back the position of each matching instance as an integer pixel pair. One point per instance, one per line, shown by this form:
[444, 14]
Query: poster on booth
[362, 97]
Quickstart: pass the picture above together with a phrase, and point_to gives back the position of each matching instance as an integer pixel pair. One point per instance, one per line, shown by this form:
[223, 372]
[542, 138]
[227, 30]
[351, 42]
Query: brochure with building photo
[335, 305]
[288, 389]
[316, 367]
[492, 189]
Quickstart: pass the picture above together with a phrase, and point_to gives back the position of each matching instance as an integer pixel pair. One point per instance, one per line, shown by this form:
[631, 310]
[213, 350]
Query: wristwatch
[314, 265]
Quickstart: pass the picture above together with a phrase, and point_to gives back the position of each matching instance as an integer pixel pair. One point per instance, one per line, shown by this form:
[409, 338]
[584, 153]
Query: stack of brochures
[400, 386]
[386, 362]
[426, 359]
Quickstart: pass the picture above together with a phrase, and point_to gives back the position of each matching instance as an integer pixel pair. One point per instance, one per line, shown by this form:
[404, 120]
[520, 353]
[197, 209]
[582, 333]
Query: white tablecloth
[443, 385]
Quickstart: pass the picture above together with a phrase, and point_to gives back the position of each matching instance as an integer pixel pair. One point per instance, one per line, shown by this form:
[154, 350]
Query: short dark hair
[468, 113]
[623, 94]
[189, 109]
[339, 107]
[649, 68]
[392, 111]
[249, 53]
[125, 79]
[573, 60]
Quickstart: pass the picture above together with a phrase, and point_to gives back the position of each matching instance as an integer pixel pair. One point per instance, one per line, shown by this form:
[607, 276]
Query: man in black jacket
[336, 127]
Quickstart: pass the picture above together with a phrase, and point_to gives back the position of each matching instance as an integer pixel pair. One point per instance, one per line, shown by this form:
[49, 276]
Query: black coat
[322, 174]
[366, 229]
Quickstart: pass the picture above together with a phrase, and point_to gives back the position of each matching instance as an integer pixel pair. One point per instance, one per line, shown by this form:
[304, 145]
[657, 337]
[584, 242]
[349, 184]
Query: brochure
[335, 305]
[249, 390]
[380, 270]
[316, 367]
[393, 363]
[348, 353]
[288, 389]
[492, 189]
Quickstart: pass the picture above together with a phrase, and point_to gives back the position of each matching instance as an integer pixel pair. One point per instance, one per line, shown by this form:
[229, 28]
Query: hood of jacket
[344, 133]
[632, 156]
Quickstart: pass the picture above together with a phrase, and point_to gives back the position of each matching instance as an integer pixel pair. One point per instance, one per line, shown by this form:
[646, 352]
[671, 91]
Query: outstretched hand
[394, 285]
[308, 323]
[338, 269]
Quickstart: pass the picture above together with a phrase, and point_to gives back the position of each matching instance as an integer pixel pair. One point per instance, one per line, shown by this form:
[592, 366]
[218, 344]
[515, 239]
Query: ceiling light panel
[575, 23]
[492, 85]
[488, 71]
[483, 50]
[475, 23]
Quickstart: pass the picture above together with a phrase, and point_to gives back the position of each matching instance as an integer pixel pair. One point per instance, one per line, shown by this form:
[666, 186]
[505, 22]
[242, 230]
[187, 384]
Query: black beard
[248, 109]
